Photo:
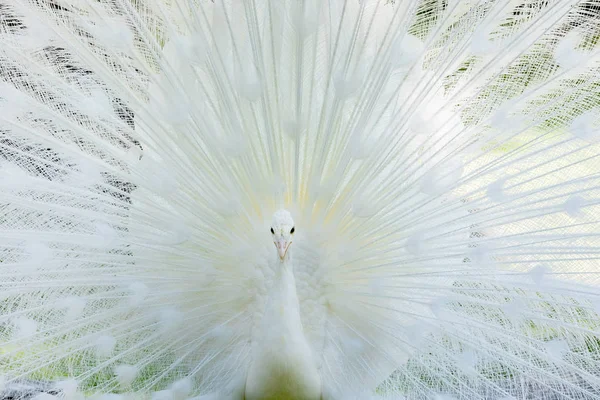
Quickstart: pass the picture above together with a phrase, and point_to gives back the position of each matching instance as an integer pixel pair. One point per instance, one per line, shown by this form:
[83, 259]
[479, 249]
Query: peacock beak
[282, 246]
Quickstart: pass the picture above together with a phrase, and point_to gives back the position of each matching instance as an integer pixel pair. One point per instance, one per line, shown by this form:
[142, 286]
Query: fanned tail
[440, 159]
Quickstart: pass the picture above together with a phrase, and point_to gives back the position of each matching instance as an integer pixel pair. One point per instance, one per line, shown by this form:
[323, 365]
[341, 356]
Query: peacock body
[428, 171]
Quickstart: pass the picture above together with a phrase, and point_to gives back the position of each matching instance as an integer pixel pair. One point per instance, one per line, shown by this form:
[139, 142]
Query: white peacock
[439, 159]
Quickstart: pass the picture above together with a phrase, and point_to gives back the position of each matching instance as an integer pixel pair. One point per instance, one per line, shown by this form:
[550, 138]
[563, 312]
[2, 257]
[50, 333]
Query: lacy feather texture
[300, 199]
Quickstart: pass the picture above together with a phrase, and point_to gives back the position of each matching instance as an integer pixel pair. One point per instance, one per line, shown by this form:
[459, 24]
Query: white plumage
[439, 159]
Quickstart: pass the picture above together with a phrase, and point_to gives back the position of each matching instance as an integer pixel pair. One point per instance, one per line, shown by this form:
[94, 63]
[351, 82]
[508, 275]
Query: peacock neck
[283, 303]
[282, 364]
[281, 322]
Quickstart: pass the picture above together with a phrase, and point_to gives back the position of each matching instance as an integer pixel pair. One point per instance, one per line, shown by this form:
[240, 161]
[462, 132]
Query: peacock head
[282, 230]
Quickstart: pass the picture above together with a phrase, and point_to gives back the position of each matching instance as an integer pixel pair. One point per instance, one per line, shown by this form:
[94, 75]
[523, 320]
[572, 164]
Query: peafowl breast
[283, 364]
[300, 199]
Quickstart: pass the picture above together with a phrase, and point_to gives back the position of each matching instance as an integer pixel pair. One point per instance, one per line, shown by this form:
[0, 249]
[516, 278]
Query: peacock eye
[272, 231]
[293, 229]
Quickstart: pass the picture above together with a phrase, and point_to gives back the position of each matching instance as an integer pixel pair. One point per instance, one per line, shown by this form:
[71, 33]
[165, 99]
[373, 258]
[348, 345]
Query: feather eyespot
[272, 231]
[293, 229]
